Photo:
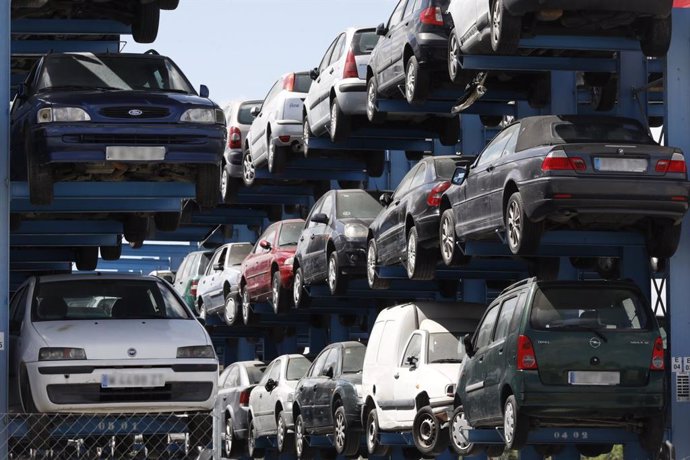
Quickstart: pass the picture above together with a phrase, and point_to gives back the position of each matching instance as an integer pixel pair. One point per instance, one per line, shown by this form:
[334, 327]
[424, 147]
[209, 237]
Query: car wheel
[522, 234]
[414, 155]
[450, 253]
[112, 252]
[40, 178]
[145, 24]
[420, 262]
[228, 437]
[373, 445]
[136, 228]
[302, 450]
[300, 296]
[604, 97]
[657, 37]
[306, 136]
[416, 82]
[248, 169]
[505, 29]
[278, 294]
[491, 121]
[337, 282]
[208, 186]
[376, 162]
[201, 309]
[458, 440]
[285, 441]
[346, 442]
[429, 438]
[229, 187]
[230, 310]
[450, 130]
[515, 426]
[455, 73]
[167, 221]
[663, 240]
[247, 313]
[372, 277]
[340, 123]
[594, 450]
[373, 113]
[252, 450]
[277, 157]
[86, 258]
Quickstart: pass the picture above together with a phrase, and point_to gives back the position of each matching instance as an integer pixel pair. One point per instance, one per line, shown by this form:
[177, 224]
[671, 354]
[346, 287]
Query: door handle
[396, 376]
[500, 351]
[490, 168]
[481, 360]
[318, 80]
[397, 203]
[314, 388]
[301, 238]
[331, 71]
[312, 237]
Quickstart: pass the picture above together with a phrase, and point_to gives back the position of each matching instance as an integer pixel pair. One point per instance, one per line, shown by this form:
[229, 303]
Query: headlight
[51, 114]
[203, 351]
[199, 116]
[59, 354]
[355, 231]
[289, 261]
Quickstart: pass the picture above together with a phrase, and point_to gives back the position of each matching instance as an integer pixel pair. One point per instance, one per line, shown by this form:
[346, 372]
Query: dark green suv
[563, 354]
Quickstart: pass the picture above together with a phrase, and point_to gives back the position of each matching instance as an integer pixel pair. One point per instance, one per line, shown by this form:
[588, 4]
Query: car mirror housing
[459, 175]
[469, 346]
[381, 29]
[22, 91]
[203, 91]
[385, 199]
[329, 373]
[254, 111]
[412, 361]
[218, 266]
[265, 244]
[320, 218]
[270, 384]
[314, 74]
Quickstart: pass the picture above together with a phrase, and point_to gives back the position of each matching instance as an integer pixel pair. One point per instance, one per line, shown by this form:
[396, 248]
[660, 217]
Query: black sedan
[332, 245]
[407, 229]
[327, 399]
[573, 172]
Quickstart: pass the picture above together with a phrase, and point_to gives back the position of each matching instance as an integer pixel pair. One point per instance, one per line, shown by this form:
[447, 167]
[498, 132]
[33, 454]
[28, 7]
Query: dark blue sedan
[114, 117]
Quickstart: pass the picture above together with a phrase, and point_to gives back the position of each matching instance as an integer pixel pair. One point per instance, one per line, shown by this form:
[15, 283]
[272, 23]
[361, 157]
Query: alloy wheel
[447, 239]
[230, 310]
[297, 288]
[340, 431]
[514, 224]
[280, 434]
[271, 154]
[251, 439]
[299, 437]
[371, 101]
[411, 81]
[371, 263]
[509, 423]
[228, 435]
[275, 293]
[372, 433]
[306, 134]
[224, 178]
[334, 120]
[458, 434]
[245, 305]
[248, 170]
[411, 254]
[453, 53]
[332, 274]
[496, 20]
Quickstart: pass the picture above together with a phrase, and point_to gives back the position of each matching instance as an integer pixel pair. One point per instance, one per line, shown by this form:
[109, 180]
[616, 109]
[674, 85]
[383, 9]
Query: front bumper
[190, 385]
[661, 8]
[286, 276]
[351, 94]
[352, 255]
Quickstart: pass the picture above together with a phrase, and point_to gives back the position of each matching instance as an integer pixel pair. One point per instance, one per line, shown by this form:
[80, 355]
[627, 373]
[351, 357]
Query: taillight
[434, 197]
[675, 165]
[350, 70]
[289, 82]
[658, 355]
[284, 138]
[432, 16]
[234, 138]
[557, 160]
[526, 359]
[192, 290]
[244, 398]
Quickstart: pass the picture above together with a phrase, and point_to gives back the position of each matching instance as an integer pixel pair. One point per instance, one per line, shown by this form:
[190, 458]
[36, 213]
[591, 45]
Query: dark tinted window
[578, 308]
[504, 318]
[483, 335]
[359, 205]
[203, 261]
[289, 233]
[238, 253]
[574, 132]
[254, 373]
[353, 359]
[364, 42]
[297, 367]
[302, 82]
[243, 115]
[445, 167]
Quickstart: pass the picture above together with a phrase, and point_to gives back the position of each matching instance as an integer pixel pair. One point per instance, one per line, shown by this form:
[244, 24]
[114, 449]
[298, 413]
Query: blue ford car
[114, 117]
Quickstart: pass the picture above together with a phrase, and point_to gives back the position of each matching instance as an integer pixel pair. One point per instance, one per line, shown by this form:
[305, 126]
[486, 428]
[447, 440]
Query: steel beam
[40, 47]
[69, 27]
[4, 217]
[527, 63]
[580, 42]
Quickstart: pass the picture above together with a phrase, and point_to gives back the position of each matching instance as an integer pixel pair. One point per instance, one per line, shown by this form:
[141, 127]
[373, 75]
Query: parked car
[165, 275]
[267, 270]
[332, 246]
[218, 290]
[270, 404]
[406, 230]
[410, 371]
[483, 26]
[566, 353]
[115, 117]
[234, 386]
[577, 172]
[328, 399]
[277, 129]
[239, 118]
[189, 273]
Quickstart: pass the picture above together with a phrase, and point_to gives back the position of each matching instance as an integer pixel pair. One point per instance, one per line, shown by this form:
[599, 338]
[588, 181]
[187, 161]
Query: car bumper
[72, 387]
[87, 143]
[427, 228]
[432, 49]
[286, 276]
[643, 198]
[240, 422]
[351, 94]
[656, 8]
[233, 162]
[291, 129]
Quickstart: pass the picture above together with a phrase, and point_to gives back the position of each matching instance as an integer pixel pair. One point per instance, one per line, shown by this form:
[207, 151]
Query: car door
[319, 239]
[268, 402]
[306, 388]
[263, 264]
[325, 386]
[399, 40]
[183, 273]
[406, 384]
[386, 47]
[260, 396]
[412, 200]
[328, 77]
[393, 225]
[257, 132]
[319, 91]
[305, 241]
[213, 280]
[497, 180]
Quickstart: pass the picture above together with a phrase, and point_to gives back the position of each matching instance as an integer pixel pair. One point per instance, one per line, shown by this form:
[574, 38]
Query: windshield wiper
[80, 87]
[164, 90]
[446, 360]
[584, 328]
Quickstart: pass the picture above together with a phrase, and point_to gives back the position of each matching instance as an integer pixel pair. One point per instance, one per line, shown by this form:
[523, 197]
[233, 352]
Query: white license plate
[118, 153]
[637, 165]
[132, 380]
[594, 378]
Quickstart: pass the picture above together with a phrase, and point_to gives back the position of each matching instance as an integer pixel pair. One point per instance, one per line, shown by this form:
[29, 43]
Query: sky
[239, 48]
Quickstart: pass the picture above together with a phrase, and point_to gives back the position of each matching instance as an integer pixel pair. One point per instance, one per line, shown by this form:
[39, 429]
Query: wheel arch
[277, 410]
[408, 52]
[445, 204]
[510, 188]
[409, 223]
[421, 400]
[506, 391]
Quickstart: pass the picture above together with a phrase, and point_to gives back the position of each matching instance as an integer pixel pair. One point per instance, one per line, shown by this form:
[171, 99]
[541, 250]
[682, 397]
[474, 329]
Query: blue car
[114, 117]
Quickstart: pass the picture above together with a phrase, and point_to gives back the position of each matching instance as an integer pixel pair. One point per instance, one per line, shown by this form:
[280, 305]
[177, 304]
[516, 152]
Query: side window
[338, 50]
[419, 177]
[405, 183]
[413, 352]
[396, 17]
[18, 305]
[275, 371]
[318, 364]
[484, 333]
[327, 57]
[328, 205]
[275, 89]
[314, 210]
[332, 361]
[507, 310]
[223, 377]
[512, 142]
[233, 378]
[267, 373]
[495, 147]
[223, 254]
[519, 308]
[410, 8]
[216, 258]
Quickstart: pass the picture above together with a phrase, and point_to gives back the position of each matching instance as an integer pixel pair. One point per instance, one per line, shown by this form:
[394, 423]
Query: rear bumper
[660, 8]
[288, 128]
[233, 162]
[427, 227]
[240, 422]
[432, 49]
[351, 94]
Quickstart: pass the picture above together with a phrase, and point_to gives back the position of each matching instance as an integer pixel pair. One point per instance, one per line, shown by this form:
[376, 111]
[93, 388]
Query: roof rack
[152, 51]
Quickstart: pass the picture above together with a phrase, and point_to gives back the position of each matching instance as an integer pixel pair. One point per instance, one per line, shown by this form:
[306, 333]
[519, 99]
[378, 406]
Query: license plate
[593, 378]
[118, 153]
[132, 380]
[637, 165]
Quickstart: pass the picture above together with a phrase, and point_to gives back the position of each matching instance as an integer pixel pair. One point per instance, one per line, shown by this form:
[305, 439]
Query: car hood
[111, 339]
[355, 379]
[353, 220]
[122, 98]
[447, 371]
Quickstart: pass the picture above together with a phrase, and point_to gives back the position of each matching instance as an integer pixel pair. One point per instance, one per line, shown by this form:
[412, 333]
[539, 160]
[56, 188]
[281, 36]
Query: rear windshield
[356, 205]
[353, 360]
[297, 367]
[255, 373]
[243, 115]
[445, 347]
[289, 233]
[445, 167]
[364, 42]
[238, 253]
[105, 299]
[573, 132]
[302, 83]
[589, 308]
[204, 259]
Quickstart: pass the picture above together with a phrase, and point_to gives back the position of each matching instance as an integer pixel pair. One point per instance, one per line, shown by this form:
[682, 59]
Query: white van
[410, 371]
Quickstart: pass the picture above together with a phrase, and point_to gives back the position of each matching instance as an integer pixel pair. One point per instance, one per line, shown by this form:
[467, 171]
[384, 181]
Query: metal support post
[474, 290]
[471, 144]
[4, 217]
[563, 93]
[339, 333]
[246, 351]
[633, 75]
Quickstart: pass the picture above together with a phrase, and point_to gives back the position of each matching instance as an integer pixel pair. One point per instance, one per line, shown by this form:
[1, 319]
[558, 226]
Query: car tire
[279, 295]
[376, 162]
[522, 234]
[414, 155]
[302, 449]
[112, 252]
[346, 441]
[167, 221]
[252, 450]
[40, 178]
[372, 260]
[229, 187]
[420, 262]
[604, 97]
[505, 29]
[146, 21]
[594, 450]
[491, 121]
[299, 294]
[230, 310]
[416, 82]
[248, 169]
[306, 136]
[374, 447]
[247, 312]
[447, 240]
[458, 442]
[456, 74]
[285, 441]
[657, 37]
[168, 4]
[449, 133]
[373, 114]
[429, 438]
[663, 240]
[515, 425]
[136, 228]
[230, 444]
[340, 125]
[86, 258]
[337, 282]
[208, 186]
[277, 157]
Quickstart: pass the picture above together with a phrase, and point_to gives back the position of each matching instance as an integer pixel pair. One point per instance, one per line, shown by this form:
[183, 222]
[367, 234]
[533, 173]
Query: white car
[239, 118]
[277, 128]
[270, 403]
[218, 290]
[339, 91]
[143, 352]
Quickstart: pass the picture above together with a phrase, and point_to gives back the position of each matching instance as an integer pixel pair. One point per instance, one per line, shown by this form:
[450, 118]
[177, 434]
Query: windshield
[302, 83]
[357, 205]
[84, 71]
[445, 347]
[289, 233]
[588, 308]
[600, 131]
[255, 372]
[353, 360]
[364, 42]
[244, 117]
[105, 299]
[238, 252]
[297, 367]
[204, 259]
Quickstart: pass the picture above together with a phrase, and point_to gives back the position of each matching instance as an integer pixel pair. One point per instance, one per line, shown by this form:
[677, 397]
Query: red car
[267, 270]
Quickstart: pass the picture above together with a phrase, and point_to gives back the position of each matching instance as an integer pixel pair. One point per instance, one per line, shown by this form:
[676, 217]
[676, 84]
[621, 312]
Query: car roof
[95, 276]
[110, 55]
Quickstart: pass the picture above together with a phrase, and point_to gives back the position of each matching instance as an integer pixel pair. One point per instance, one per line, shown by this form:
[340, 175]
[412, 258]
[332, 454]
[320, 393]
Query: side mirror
[22, 91]
[469, 346]
[329, 373]
[385, 199]
[265, 244]
[201, 320]
[412, 361]
[270, 385]
[203, 91]
[320, 218]
[459, 175]
[254, 111]
[381, 29]
[314, 73]
[218, 266]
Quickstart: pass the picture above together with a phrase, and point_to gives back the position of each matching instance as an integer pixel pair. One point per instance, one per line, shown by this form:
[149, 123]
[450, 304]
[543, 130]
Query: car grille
[146, 112]
[90, 393]
[134, 139]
